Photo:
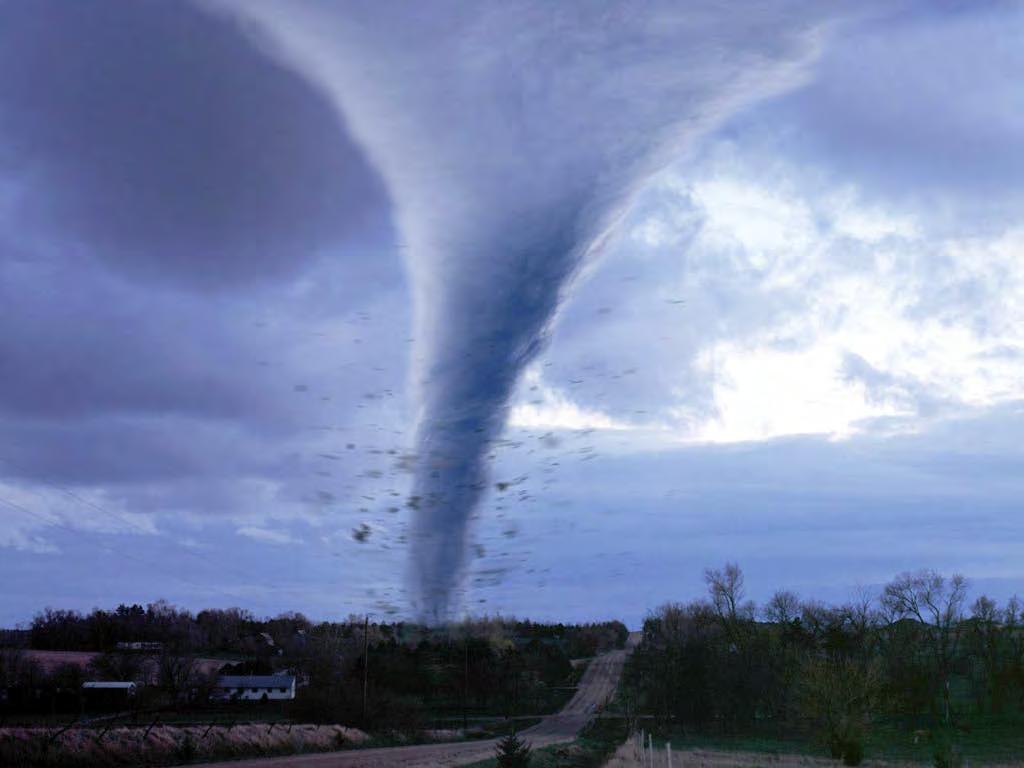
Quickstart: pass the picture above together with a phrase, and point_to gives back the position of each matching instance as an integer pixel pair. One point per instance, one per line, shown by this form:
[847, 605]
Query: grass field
[982, 741]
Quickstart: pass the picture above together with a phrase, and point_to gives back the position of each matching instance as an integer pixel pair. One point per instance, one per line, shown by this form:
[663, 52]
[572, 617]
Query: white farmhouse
[255, 688]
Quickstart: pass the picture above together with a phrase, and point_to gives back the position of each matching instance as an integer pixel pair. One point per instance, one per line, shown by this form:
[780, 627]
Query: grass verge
[595, 745]
[982, 740]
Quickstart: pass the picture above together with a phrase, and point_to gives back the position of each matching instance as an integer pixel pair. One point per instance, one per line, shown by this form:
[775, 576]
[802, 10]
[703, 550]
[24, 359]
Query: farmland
[360, 684]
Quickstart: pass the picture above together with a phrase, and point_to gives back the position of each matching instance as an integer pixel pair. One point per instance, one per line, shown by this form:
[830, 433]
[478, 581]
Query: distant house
[137, 645]
[126, 687]
[254, 688]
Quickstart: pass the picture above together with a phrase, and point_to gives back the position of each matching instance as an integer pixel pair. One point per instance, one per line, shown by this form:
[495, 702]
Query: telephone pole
[465, 688]
[366, 661]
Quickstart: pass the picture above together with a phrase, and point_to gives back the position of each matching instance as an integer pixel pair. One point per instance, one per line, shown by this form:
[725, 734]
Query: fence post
[668, 754]
[650, 750]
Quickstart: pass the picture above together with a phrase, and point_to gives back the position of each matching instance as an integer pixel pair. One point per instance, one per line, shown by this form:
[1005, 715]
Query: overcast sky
[798, 344]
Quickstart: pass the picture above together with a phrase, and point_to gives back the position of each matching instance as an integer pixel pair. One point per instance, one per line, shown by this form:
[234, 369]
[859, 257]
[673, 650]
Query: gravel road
[596, 686]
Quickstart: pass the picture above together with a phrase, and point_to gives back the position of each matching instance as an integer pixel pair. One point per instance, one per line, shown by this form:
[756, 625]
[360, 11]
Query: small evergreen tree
[513, 752]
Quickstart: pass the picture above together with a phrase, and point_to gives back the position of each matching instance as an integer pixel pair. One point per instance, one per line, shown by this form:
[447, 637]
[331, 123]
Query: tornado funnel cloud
[466, 388]
[511, 137]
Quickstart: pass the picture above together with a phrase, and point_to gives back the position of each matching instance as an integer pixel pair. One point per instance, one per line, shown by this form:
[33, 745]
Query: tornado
[511, 136]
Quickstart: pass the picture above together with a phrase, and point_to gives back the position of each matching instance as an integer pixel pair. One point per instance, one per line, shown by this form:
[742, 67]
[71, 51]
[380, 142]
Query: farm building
[255, 688]
[137, 645]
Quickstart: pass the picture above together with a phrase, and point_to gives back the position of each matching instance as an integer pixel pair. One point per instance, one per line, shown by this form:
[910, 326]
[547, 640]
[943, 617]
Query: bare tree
[783, 607]
[984, 645]
[118, 666]
[841, 696]
[938, 604]
[1013, 624]
[176, 673]
[727, 593]
[12, 664]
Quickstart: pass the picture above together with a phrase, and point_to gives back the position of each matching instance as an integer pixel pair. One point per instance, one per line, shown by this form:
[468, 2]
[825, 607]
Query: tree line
[415, 674]
[918, 655]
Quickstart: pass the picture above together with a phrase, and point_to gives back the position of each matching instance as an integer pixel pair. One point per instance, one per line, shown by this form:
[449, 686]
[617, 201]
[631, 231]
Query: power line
[111, 550]
[243, 578]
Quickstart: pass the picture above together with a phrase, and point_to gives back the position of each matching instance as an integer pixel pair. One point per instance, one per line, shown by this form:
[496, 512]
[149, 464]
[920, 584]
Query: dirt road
[596, 686]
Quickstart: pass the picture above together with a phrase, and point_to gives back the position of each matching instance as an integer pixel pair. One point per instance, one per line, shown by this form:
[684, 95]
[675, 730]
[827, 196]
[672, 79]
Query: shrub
[186, 751]
[513, 752]
[835, 746]
[945, 753]
[853, 752]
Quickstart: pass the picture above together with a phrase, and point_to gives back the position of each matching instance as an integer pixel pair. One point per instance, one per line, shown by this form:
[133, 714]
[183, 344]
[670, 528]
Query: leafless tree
[841, 696]
[176, 672]
[936, 603]
[12, 663]
[118, 666]
[727, 592]
[783, 607]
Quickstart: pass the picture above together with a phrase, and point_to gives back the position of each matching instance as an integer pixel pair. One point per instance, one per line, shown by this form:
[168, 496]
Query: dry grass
[50, 661]
[627, 757]
[166, 745]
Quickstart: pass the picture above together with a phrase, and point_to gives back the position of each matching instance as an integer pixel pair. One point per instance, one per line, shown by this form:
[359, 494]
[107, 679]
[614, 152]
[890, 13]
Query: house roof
[256, 681]
[118, 684]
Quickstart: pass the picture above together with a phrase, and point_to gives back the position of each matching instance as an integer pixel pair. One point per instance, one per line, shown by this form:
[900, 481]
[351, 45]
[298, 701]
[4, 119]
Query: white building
[125, 686]
[255, 688]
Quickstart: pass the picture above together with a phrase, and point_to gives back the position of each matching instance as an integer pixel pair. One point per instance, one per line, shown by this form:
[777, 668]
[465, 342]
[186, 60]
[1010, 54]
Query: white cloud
[15, 537]
[548, 408]
[27, 514]
[809, 310]
[763, 393]
[268, 535]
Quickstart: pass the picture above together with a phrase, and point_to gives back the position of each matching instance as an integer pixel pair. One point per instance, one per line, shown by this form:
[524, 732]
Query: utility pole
[465, 688]
[366, 661]
[515, 695]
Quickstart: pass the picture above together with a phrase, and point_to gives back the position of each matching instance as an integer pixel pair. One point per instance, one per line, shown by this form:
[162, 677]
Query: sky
[630, 295]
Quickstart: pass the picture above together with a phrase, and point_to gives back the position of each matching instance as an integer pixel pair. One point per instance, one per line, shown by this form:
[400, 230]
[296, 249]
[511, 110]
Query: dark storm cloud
[146, 151]
[922, 104]
[160, 138]
[117, 450]
[105, 381]
[76, 344]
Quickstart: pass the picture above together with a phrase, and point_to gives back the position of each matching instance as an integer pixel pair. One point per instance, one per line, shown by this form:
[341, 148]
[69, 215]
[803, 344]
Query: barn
[254, 688]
